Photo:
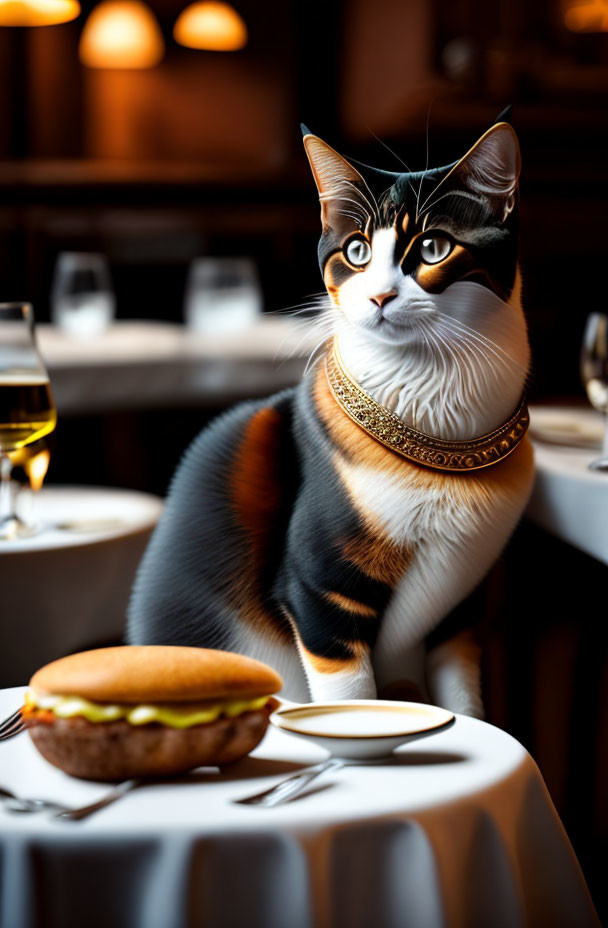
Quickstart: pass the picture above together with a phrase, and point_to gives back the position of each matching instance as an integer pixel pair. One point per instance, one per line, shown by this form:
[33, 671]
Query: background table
[67, 588]
[569, 500]
[452, 832]
[150, 365]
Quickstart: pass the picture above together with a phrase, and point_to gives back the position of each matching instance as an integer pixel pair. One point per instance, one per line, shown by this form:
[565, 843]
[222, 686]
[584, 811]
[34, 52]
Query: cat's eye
[358, 252]
[435, 248]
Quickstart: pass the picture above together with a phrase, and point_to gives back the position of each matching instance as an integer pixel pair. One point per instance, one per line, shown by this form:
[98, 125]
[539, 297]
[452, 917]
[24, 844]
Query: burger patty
[118, 750]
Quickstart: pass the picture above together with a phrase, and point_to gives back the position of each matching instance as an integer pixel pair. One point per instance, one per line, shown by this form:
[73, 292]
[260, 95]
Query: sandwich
[148, 711]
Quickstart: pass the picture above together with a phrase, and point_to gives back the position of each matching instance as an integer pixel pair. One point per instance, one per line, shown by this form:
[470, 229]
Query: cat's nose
[381, 299]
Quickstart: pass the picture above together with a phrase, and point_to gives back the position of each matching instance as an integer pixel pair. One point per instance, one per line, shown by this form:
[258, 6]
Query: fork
[62, 812]
[292, 786]
[75, 815]
[13, 803]
[12, 726]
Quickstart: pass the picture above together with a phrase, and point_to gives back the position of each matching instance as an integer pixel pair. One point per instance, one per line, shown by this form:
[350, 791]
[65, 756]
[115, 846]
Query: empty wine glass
[594, 372]
[27, 409]
[82, 299]
[222, 295]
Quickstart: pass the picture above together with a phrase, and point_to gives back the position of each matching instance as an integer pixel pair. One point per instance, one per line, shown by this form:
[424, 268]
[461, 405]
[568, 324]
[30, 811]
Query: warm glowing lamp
[37, 12]
[211, 25]
[121, 34]
[587, 16]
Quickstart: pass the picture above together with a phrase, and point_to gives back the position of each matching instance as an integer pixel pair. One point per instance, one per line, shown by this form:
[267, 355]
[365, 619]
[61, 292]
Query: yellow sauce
[174, 716]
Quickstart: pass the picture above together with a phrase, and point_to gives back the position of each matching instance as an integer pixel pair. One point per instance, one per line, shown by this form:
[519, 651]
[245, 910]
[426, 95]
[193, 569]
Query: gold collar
[393, 433]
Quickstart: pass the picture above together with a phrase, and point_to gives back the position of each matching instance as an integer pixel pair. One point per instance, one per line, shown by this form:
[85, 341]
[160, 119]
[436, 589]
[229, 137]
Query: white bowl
[361, 728]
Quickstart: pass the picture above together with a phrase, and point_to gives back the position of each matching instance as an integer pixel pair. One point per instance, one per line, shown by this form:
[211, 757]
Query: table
[151, 365]
[455, 831]
[568, 500]
[67, 588]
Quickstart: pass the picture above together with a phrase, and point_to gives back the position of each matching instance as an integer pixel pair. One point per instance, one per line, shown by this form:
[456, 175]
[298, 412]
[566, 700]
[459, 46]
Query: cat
[296, 534]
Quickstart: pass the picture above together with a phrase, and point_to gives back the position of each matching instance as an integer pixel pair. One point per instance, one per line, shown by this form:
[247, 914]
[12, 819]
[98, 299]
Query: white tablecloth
[67, 588]
[568, 499]
[456, 831]
[135, 365]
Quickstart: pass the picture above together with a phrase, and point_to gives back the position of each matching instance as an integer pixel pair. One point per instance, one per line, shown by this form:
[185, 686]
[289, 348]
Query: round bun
[156, 673]
[150, 674]
[118, 751]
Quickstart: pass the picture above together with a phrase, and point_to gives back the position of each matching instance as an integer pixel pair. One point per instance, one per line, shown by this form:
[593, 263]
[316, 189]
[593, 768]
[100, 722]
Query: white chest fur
[453, 530]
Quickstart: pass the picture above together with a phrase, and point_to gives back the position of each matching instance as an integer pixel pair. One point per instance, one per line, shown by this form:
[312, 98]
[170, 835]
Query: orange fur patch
[434, 277]
[377, 556]
[255, 486]
[351, 605]
[358, 649]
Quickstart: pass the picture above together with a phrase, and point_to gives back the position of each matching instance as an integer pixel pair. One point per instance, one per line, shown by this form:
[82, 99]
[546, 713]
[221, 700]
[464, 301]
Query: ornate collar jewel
[388, 429]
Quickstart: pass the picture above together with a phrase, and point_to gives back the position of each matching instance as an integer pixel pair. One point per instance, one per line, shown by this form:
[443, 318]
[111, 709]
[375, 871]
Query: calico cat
[329, 529]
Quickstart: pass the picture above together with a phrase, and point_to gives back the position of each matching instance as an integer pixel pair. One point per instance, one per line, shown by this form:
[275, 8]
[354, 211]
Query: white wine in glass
[27, 408]
[594, 372]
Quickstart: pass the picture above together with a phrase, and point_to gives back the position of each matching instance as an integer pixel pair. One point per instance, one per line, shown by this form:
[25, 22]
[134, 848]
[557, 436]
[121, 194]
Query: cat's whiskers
[335, 195]
[331, 319]
[459, 323]
[373, 205]
[312, 301]
[488, 342]
[468, 349]
[468, 342]
[349, 215]
[321, 322]
[312, 359]
[393, 153]
[449, 381]
[426, 164]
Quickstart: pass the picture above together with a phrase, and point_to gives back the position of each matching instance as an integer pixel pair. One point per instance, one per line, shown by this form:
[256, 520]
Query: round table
[568, 500]
[453, 832]
[67, 588]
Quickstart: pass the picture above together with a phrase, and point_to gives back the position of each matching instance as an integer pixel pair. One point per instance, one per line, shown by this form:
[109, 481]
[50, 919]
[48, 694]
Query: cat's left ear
[339, 184]
[491, 168]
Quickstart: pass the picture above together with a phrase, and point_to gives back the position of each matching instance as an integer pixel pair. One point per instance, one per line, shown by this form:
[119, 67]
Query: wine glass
[82, 299]
[594, 372]
[30, 466]
[27, 409]
[222, 295]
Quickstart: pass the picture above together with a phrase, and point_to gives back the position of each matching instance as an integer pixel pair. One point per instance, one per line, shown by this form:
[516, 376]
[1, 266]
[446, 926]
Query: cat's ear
[341, 187]
[491, 168]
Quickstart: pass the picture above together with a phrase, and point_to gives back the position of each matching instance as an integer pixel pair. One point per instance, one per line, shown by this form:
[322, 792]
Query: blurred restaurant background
[201, 155]
[157, 155]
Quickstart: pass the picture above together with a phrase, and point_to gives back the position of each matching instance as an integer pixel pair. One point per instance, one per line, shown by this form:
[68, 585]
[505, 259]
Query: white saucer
[361, 728]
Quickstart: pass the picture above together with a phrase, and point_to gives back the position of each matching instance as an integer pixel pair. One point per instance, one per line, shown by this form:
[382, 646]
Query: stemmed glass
[27, 409]
[30, 466]
[594, 372]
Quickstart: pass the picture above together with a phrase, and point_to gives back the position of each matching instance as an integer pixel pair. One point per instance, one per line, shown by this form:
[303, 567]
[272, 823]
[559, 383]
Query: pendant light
[211, 25]
[121, 34]
[37, 12]
[586, 16]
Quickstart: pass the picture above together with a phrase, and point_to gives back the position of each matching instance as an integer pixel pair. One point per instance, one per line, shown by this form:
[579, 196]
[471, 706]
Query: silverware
[20, 804]
[12, 726]
[292, 786]
[13, 803]
[75, 815]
